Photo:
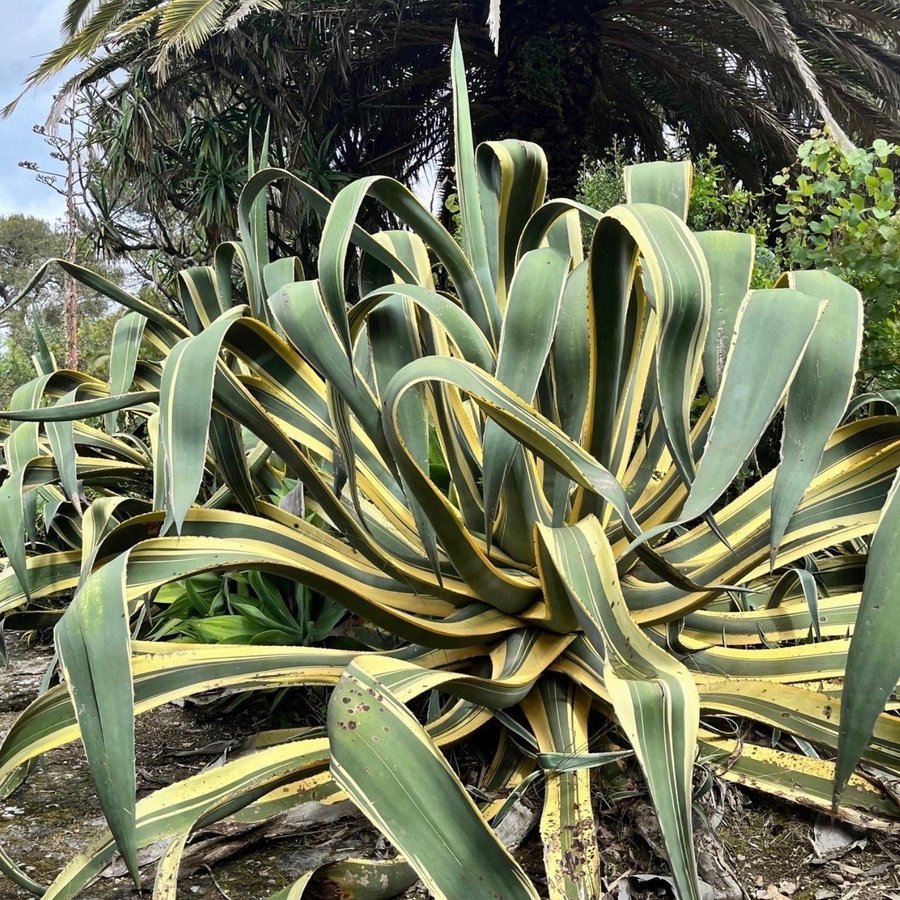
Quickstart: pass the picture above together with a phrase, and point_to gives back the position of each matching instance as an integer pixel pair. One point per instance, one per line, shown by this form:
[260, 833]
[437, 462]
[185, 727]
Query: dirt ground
[764, 851]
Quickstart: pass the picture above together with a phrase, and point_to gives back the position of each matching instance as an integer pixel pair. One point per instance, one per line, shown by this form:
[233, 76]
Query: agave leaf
[819, 392]
[539, 227]
[799, 779]
[810, 590]
[730, 259]
[165, 884]
[231, 460]
[872, 665]
[772, 333]
[223, 261]
[44, 360]
[257, 240]
[528, 327]
[300, 310]
[128, 333]
[320, 204]
[166, 672]
[199, 297]
[281, 272]
[399, 200]
[21, 449]
[792, 621]
[47, 574]
[356, 879]
[81, 409]
[558, 712]
[676, 277]
[512, 179]
[516, 665]
[97, 523]
[653, 695]
[92, 642]
[185, 410]
[570, 356]
[486, 314]
[12, 527]
[462, 330]
[202, 799]
[62, 444]
[666, 184]
[814, 716]
[384, 760]
[844, 500]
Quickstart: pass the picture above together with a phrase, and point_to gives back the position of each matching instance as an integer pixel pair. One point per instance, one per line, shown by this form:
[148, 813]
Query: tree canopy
[171, 91]
[26, 243]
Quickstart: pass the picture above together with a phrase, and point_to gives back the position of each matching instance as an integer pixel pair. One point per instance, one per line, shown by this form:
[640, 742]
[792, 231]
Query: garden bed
[769, 849]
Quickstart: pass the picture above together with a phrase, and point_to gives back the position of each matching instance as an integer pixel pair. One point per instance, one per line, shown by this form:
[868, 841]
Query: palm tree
[360, 86]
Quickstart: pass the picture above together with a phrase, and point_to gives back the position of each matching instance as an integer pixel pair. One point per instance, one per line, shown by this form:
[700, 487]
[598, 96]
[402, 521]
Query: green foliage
[244, 608]
[600, 182]
[25, 242]
[841, 213]
[334, 80]
[503, 484]
[542, 77]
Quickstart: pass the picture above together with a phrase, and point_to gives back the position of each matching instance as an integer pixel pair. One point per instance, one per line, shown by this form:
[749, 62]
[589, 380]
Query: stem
[71, 294]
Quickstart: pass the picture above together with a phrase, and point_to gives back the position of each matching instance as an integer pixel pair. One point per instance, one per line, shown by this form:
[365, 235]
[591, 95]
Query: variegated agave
[502, 444]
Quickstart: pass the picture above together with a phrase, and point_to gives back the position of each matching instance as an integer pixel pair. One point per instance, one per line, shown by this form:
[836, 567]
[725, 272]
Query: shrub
[841, 214]
[506, 482]
[714, 204]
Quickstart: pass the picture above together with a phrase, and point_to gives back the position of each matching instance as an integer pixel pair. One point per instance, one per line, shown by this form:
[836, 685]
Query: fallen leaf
[832, 839]
[516, 824]
[770, 892]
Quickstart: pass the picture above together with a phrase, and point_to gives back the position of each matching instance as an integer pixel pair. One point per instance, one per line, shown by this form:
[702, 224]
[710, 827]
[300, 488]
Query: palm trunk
[547, 82]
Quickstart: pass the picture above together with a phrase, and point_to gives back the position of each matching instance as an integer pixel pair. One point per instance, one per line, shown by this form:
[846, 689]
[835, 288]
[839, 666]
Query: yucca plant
[498, 444]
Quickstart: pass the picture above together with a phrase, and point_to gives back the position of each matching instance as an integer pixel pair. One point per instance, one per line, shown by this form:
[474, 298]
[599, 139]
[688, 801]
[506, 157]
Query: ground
[768, 849]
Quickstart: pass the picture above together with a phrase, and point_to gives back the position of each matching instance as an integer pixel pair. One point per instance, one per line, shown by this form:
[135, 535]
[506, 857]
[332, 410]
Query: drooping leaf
[654, 696]
[394, 774]
[872, 664]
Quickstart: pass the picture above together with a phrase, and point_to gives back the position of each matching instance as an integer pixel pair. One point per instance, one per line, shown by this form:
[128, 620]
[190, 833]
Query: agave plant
[244, 608]
[510, 474]
[69, 483]
[53, 472]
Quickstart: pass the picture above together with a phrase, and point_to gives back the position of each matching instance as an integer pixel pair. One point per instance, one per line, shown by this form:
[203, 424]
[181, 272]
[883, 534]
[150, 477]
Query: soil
[767, 848]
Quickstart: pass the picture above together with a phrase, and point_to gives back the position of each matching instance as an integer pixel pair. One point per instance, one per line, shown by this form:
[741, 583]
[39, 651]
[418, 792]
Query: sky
[30, 29]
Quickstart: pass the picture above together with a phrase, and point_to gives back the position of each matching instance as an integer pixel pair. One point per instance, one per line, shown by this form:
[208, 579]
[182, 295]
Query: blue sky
[30, 29]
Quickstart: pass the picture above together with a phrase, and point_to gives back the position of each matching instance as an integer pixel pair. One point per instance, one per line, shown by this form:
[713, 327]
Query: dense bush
[841, 213]
[833, 211]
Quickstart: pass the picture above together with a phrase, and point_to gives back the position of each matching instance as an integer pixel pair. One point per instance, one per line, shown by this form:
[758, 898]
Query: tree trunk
[71, 297]
[548, 74]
